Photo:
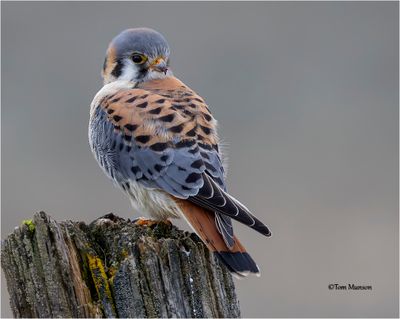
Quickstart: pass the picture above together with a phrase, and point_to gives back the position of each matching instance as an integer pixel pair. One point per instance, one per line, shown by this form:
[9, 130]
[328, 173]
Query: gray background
[307, 99]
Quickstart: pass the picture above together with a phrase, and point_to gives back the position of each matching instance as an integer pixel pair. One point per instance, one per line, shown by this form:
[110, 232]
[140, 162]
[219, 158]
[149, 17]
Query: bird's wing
[155, 142]
[166, 139]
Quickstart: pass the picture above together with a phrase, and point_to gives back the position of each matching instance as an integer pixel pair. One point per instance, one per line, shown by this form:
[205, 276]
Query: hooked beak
[159, 65]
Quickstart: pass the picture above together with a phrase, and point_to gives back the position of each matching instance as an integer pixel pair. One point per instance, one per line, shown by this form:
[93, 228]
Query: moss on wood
[113, 268]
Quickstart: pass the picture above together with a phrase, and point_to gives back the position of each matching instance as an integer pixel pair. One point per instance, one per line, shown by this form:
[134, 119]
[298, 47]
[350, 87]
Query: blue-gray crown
[143, 40]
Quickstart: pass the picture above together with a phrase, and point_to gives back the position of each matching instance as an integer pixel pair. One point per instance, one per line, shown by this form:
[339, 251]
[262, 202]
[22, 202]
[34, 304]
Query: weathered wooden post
[113, 268]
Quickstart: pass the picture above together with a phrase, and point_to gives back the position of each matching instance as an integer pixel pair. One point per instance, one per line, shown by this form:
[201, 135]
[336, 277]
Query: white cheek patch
[129, 71]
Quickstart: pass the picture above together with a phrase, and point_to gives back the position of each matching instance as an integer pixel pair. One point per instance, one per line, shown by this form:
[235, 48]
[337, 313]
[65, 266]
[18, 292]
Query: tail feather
[237, 260]
[239, 263]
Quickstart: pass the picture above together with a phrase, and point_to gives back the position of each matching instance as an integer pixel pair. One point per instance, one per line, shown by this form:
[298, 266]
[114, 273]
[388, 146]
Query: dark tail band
[239, 263]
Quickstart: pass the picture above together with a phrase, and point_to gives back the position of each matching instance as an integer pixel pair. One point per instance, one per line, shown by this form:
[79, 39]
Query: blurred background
[306, 94]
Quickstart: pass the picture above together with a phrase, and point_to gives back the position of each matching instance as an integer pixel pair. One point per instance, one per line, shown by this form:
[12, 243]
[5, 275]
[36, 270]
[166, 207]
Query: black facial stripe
[117, 71]
[105, 64]
[142, 72]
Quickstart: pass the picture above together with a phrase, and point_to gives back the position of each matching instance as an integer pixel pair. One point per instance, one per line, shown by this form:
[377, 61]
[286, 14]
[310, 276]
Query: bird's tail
[237, 260]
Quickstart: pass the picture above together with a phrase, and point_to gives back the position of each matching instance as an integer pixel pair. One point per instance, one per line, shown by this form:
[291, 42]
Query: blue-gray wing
[186, 165]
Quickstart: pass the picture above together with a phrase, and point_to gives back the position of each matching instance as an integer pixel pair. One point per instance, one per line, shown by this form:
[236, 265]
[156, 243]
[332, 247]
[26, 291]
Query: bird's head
[137, 55]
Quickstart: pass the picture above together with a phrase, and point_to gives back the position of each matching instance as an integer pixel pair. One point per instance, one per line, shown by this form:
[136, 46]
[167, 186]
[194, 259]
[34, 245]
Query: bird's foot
[150, 222]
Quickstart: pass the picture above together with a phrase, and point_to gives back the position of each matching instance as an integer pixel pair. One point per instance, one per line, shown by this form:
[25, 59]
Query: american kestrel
[157, 139]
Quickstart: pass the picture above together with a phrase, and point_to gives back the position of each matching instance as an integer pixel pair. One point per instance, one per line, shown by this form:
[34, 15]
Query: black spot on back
[207, 117]
[112, 95]
[131, 99]
[135, 169]
[210, 167]
[159, 147]
[197, 164]
[167, 118]
[193, 178]
[155, 111]
[205, 146]
[142, 138]
[164, 158]
[206, 130]
[115, 100]
[131, 127]
[158, 167]
[117, 118]
[166, 95]
[187, 112]
[185, 143]
[142, 105]
[192, 132]
[177, 128]
[204, 155]
[194, 151]
[160, 101]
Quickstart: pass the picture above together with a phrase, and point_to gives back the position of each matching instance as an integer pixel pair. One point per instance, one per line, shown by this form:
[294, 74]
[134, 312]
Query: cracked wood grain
[113, 268]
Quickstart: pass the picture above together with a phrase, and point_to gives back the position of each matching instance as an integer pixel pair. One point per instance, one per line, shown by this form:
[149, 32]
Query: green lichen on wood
[125, 270]
[30, 224]
[101, 283]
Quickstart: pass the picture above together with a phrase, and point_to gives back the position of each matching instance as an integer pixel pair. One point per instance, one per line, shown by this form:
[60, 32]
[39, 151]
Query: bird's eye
[139, 58]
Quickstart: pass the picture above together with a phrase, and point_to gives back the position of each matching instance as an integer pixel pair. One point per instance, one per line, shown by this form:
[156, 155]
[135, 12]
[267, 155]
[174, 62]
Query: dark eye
[139, 58]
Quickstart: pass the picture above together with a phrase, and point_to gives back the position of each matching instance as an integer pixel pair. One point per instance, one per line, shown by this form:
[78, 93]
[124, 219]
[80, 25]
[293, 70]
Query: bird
[157, 140]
